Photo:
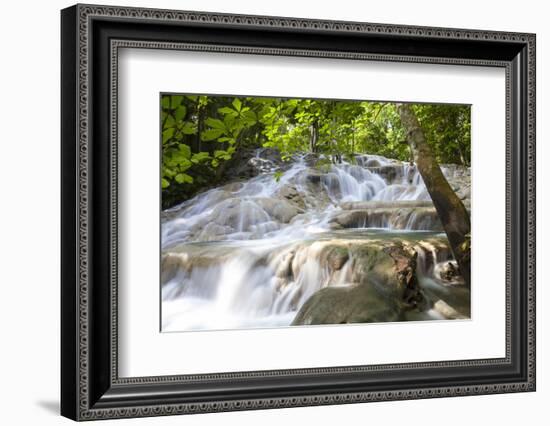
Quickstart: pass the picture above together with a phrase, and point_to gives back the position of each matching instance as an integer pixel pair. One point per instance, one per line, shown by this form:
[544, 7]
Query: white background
[29, 225]
[142, 346]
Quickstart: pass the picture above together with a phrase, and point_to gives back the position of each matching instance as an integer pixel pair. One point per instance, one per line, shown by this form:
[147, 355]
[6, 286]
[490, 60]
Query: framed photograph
[263, 212]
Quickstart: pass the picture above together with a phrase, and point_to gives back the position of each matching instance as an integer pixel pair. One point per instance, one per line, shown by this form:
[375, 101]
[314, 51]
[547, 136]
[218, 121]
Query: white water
[247, 257]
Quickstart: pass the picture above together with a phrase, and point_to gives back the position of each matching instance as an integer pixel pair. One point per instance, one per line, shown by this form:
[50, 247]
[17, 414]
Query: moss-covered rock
[346, 304]
[382, 285]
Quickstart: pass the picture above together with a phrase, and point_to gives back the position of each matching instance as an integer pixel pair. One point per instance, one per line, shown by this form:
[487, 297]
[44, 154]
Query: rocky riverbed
[343, 243]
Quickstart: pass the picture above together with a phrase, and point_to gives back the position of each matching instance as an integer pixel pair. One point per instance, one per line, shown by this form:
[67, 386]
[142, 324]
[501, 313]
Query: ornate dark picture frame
[90, 386]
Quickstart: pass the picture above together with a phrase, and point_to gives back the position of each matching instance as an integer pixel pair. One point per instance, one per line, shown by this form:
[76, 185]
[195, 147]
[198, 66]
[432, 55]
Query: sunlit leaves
[168, 134]
[188, 128]
[184, 151]
[211, 134]
[237, 104]
[202, 133]
[200, 157]
[180, 112]
[183, 178]
[169, 121]
[221, 154]
[175, 101]
[216, 123]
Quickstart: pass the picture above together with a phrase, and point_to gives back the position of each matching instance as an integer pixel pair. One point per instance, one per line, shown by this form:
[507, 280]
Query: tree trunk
[314, 135]
[452, 213]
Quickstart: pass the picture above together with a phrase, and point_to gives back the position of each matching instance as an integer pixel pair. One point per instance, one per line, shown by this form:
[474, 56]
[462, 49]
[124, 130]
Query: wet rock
[310, 159]
[213, 232]
[345, 305]
[252, 162]
[332, 182]
[284, 265]
[337, 257]
[350, 219]
[459, 178]
[391, 173]
[170, 265]
[372, 162]
[425, 218]
[447, 311]
[448, 271]
[382, 285]
[241, 214]
[280, 210]
[405, 264]
[368, 205]
[291, 194]
[314, 177]
[415, 218]
[232, 187]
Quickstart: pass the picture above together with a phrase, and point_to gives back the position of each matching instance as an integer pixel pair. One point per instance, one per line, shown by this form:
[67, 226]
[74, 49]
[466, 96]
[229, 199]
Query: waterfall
[251, 253]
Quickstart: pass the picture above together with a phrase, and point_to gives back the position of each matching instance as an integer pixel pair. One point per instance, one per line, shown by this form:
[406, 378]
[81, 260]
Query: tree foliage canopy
[200, 134]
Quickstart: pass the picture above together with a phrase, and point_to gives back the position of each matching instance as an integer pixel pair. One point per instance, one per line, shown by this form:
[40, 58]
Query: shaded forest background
[204, 136]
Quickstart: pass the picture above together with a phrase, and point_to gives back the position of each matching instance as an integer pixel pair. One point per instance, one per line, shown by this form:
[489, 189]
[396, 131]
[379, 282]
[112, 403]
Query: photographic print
[282, 212]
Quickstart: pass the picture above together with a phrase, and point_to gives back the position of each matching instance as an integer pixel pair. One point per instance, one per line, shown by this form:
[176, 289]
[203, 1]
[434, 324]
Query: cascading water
[251, 253]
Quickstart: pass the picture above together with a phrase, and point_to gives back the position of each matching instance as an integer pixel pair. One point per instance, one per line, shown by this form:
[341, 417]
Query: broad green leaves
[447, 129]
[168, 134]
[202, 133]
[180, 112]
[183, 178]
[237, 104]
[199, 157]
[211, 134]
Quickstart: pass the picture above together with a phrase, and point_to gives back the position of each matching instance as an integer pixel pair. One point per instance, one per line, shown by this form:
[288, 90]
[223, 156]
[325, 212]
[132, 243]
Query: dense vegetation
[203, 135]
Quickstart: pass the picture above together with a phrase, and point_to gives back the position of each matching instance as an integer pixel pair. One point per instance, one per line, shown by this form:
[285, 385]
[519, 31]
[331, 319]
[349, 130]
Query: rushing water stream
[251, 253]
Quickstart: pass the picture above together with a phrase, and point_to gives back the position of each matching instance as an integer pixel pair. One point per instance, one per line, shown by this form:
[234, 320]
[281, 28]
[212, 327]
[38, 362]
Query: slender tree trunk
[461, 154]
[452, 213]
[314, 135]
[353, 140]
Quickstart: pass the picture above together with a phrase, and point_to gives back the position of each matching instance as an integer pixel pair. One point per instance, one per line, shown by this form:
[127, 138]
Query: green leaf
[185, 150]
[180, 112]
[188, 128]
[170, 122]
[200, 156]
[179, 162]
[250, 117]
[237, 104]
[183, 178]
[165, 183]
[168, 172]
[165, 102]
[168, 134]
[211, 134]
[222, 155]
[215, 123]
[226, 139]
[176, 101]
[227, 110]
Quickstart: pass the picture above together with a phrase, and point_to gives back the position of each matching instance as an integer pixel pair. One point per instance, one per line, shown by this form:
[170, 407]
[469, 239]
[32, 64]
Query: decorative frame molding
[91, 37]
